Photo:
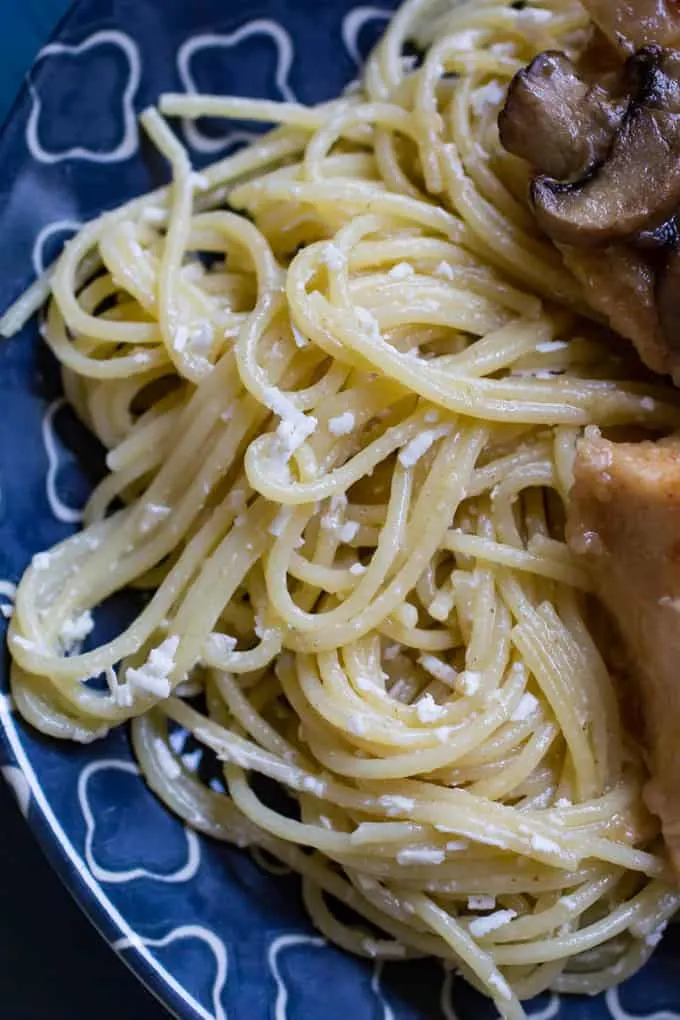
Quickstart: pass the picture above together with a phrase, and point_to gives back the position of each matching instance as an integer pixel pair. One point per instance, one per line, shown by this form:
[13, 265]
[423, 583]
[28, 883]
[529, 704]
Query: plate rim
[41, 821]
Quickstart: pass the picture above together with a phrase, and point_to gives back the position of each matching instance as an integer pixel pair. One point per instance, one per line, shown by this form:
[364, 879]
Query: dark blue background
[43, 975]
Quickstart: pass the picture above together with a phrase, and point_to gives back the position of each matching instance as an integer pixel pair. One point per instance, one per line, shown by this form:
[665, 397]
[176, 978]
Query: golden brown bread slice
[624, 517]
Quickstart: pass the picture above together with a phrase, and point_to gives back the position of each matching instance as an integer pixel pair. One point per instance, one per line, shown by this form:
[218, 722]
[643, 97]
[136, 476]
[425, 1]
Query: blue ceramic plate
[212, 930]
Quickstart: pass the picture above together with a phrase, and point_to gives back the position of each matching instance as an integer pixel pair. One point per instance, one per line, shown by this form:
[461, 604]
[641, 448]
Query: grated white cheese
[428, 710]
[154, 675]
[469, 681]
[671, 602]
[217, 645]
[481, 902]
[201, 337]
[154, 214]
[357, 725]
[333, 257]
[314, 785]
[342, 424]
[396, 805]
[498, 982]
[410, 454]
[356, 568]
[481, 926]
[151, 516]
[227, 415]
[348, 531]
[7, 609]
[41, 561]
[526, 707]
[563, 802]
[401, 271]
[74, 630]
[534, 14]
[648, 403]
[438, 669]
[444, 270]
[654, 937]
[391, 652]
[420, 855]
[548, 346]
[506, 49]
[180, 338]
[279, 523]
[464, 40]
[543, 845]
[369, 322]
[199, 181]
[431, 417]
[487, 96]
[295, 427]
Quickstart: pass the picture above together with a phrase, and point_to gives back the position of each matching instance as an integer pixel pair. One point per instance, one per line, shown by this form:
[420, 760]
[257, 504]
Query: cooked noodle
[340, 417]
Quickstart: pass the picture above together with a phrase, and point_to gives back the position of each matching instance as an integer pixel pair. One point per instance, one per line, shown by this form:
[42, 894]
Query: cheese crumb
[444, 270]
[482, 926]
[74, 631]
[501, 986]
[369, 322]
[526, 707]
[396, 805]
[410, 454]
[199, 181]
[348, 531]
[356, 568]
[314, 785]
[341, 425]
[217, 645]
[356, 724]
[278, 524]
[180, 338]
[469, 681]
[401, 271]
[428, 710]
[333, 256]
[420, 855]
[153, 676]
[151, 516]
[487, 96]
[548, 346]
[295, 427]
[543, 845]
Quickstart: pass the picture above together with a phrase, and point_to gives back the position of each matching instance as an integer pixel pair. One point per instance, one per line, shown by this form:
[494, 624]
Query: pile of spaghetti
[340, 378]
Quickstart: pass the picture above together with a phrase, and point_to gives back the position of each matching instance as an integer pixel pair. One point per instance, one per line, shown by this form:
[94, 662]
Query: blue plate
[212, 930]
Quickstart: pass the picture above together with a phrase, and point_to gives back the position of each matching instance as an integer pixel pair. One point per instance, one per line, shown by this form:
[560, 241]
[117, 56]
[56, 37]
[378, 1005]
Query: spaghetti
[340, 378]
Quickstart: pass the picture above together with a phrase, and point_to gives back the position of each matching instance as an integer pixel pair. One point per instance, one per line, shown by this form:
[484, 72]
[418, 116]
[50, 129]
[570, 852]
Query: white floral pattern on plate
[283, 52]
[129, 135]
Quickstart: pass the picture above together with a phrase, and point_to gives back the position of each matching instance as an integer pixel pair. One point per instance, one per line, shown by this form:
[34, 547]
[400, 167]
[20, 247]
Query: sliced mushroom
[555, 121]
[638, 186]
[636, 23]
[668, 300]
